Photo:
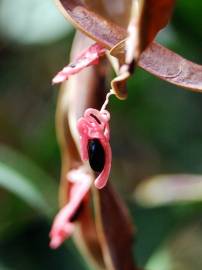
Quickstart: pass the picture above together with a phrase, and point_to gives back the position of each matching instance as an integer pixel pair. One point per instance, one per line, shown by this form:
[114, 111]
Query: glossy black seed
[96, 155]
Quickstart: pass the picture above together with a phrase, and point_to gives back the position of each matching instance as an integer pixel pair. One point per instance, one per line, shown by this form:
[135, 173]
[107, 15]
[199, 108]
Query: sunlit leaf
[169, 189]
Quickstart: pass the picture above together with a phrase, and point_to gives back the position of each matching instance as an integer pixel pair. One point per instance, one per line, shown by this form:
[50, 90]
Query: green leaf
[182, 251]
[24, 179]
[188, 18]
[2, 267]
[168, 189]
[159, 259]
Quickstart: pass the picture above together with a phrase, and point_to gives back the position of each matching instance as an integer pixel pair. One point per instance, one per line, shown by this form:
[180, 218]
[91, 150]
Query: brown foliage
[107, 239]
[156, 59]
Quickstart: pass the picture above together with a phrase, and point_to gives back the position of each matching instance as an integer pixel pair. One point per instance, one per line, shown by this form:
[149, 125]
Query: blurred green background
[161, 133]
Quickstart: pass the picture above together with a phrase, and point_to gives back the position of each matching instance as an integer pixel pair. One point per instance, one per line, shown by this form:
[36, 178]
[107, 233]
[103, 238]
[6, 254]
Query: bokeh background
[156, 131]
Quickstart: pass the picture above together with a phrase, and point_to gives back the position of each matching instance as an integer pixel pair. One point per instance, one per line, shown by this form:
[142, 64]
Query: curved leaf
[169, 189]
[21, 177]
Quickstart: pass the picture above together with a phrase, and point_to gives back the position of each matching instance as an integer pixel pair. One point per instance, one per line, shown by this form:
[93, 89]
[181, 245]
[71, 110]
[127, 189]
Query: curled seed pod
[93, 129]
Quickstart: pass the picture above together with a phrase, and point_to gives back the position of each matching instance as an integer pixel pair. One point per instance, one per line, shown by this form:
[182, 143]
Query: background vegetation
[157, 130]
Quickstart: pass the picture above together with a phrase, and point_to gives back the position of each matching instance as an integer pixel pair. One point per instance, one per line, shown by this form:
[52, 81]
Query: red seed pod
[94, 136]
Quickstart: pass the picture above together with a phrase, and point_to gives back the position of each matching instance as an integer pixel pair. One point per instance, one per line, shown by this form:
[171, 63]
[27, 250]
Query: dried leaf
[171, 67]
[93, 25]
[147, 18]
[114, 229]
[155, 16]
[113, 10]
[157, 60]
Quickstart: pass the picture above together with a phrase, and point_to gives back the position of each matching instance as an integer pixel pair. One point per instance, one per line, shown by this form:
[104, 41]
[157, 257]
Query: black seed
[96, 155]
